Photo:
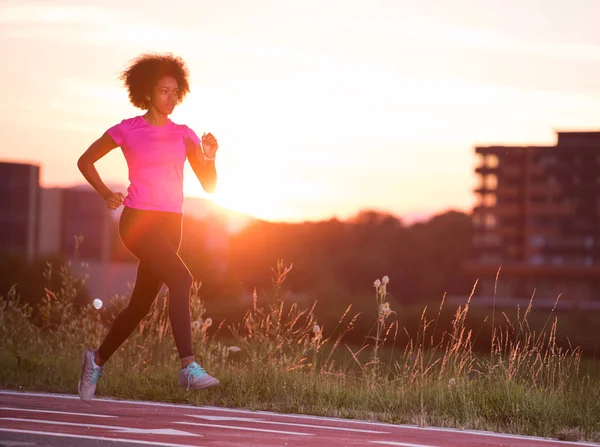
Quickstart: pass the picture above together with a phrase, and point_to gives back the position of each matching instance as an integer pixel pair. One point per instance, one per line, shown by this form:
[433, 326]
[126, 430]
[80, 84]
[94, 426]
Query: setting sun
[271, 196]
[233, 195]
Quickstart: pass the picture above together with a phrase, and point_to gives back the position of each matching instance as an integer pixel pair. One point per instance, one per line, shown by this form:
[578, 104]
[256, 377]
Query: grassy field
[278, 358]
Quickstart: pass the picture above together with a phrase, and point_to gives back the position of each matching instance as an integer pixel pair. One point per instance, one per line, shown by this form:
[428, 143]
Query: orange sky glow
[322, 108]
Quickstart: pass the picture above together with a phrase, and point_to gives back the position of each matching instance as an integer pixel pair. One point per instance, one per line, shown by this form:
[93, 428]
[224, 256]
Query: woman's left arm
[202, 160]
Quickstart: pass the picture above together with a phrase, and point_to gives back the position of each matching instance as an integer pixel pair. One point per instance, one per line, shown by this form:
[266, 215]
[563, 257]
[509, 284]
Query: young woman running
[155, 150]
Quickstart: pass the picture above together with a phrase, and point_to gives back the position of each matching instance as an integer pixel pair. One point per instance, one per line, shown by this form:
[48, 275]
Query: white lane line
[150, 431]
[401, 444]
[157, 431]
[233, 427]
[58, 412]
[303, 416]
[262, 421]
[99, 438]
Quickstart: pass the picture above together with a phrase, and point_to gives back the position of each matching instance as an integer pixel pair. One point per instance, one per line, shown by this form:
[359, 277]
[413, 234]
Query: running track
[55, 418]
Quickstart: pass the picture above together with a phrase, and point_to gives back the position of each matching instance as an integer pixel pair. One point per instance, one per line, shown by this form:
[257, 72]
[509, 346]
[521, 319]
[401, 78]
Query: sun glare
[239, 195]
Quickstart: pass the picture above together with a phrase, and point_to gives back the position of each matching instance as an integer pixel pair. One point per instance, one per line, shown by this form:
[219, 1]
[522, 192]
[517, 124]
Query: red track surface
[188, 426]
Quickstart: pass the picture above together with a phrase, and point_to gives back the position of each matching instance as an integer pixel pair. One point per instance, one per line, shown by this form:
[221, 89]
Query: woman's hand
[209, 146]
[198, 154]
[114, 200]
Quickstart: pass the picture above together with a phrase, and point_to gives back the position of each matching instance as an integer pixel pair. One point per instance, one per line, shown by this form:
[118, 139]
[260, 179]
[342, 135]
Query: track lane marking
[97, 438]
[57, 412]
[122, 429]
[262, 421]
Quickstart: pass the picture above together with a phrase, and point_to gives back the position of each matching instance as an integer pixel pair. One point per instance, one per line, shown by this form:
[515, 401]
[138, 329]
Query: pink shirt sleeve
[192, 135]
[118, 132]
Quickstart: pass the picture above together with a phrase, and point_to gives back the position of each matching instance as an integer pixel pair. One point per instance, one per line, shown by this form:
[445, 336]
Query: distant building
[538, 217]
[76, 224]
[19, 202]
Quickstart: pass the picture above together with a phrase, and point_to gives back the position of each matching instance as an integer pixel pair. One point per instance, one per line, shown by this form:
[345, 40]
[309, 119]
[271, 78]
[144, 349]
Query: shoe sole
[212, 383]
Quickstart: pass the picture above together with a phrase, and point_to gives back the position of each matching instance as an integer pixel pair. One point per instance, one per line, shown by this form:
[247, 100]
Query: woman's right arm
[95, 152]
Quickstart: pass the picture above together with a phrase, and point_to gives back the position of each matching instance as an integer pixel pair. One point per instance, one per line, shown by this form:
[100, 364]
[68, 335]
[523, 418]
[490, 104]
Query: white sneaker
[90, 374]
[194, 377]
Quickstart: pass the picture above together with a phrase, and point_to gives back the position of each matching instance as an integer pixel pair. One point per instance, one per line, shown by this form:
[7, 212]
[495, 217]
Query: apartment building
[19, 209]
[537, 219]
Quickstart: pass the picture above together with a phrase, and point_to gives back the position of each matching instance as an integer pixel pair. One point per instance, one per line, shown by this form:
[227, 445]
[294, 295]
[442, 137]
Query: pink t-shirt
[155, 157]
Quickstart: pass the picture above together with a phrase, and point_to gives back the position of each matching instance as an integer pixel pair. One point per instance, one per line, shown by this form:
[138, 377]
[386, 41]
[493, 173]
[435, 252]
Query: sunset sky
[322, 108]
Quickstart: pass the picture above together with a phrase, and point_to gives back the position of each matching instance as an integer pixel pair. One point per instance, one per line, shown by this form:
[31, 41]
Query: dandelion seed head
[385, 280]
[377, 283]
[451, 382]
[316, 328]
[97, 303]
[196, 324]
[208, 322]
[384, 309]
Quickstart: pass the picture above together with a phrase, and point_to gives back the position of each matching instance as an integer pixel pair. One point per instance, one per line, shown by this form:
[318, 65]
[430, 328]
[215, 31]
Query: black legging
[154, 238]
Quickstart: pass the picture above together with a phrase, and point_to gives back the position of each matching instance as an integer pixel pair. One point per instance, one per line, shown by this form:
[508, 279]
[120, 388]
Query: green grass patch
[526, 383]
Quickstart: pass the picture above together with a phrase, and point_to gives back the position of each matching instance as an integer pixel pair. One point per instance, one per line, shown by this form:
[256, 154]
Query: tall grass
[278, 357]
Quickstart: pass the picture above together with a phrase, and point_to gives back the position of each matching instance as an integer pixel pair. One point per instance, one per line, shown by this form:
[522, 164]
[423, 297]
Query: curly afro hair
[146, 70]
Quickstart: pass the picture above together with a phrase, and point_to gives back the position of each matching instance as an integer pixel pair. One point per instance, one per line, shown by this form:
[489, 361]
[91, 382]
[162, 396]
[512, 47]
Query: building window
[490, 221]
[536, 260]
[537, 241]
[491, 161]
[492, 239]
[589, 242]
[480, 160]
[490, 181]
[487, 240]
[489, 200]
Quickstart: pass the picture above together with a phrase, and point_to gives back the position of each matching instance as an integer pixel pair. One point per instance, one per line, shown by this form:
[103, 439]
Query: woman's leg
[154, 238]
[145, 290]
[162, 261]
